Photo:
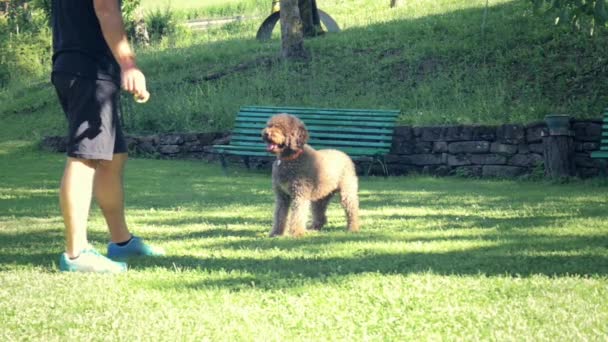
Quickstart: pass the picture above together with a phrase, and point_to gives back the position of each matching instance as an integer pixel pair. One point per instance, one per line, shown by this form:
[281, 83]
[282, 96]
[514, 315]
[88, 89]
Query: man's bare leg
[109, 194]
[75, 201]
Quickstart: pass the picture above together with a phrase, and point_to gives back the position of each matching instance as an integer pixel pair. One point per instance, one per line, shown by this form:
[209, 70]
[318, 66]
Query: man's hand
[134, 81]
[113, 29]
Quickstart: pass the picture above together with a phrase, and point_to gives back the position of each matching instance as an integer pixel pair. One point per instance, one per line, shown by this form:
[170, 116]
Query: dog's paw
[298, 233]
[274, 234]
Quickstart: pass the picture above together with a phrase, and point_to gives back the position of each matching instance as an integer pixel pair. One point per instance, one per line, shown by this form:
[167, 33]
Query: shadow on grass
[469, 244]
[41, 248]
[497, 254]
[490, 261]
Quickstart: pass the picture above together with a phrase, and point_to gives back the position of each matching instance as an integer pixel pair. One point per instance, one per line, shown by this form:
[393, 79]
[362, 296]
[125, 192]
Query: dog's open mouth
[273, 148]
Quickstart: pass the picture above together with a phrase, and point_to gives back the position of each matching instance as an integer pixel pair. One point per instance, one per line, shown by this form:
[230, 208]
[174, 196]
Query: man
[91, 59]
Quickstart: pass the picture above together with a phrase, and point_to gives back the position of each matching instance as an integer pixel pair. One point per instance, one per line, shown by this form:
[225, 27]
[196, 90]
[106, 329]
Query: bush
[25, 39]
[24, 56]
[160, 23]
[590, 15]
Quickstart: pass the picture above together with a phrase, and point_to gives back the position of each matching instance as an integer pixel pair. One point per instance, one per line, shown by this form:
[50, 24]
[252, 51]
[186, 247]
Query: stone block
[510, 134]
[534, 132]
[429, 133]
[488, 159]
[209, 138]
[169, 149]
[466, 133]
[467, 171]
[424, 159]
[401, 146]
[153, 139]
[171, 139]
[526, 160]
[54, 144]
[507, 149]
[458, 159]
[146, 147]
[536, 148]
[422, 147]
[587, 131]
[457, 133]
[404, 132]
[402, 169]
[523, 148]
[440, 147]
[584, 172]
[189, 137]
[502, 171]
[587, 146]
[223, 140]
[584, 160]
[193, 147]
[469, 147]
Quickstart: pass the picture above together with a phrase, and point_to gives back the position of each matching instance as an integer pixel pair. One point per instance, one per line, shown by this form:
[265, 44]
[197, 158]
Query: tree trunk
[396, 3]
[292, 35]
[309, 13]
[558, 152]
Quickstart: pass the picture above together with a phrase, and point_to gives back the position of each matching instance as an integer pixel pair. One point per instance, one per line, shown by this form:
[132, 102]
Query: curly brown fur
[304, 179]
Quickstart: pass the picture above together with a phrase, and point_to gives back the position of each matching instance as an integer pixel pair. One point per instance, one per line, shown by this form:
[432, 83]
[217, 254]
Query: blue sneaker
[135, 247]
[90, 260]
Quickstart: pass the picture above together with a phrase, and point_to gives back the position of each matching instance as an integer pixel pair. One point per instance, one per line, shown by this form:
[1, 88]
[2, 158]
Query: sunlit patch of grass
[435, 259]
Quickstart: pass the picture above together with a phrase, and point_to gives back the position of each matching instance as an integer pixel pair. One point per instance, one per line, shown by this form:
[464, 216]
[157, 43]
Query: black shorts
[92, 109]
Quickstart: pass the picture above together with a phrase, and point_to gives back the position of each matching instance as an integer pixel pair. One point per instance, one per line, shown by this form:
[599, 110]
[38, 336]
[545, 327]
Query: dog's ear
[298, 136]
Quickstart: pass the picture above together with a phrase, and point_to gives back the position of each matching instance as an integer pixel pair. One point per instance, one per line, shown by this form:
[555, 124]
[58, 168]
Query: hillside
[443, 61]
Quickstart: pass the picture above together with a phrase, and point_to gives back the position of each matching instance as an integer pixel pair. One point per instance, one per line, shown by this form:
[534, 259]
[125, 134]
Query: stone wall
[488, 151]
[480, 151]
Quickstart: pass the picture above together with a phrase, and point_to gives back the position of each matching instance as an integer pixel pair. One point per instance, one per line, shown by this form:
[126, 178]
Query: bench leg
[246, 161]
[380, 160]
[224, 164]
[603, 169]
[369, 168]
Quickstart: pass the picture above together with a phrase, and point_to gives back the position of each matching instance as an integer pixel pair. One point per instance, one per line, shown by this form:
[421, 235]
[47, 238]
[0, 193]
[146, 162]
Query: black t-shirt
[78, 44]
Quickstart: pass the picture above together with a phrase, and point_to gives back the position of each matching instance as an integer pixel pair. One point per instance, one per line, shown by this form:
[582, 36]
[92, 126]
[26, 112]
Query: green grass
[439, 62]
[194, 9]
[437, 259]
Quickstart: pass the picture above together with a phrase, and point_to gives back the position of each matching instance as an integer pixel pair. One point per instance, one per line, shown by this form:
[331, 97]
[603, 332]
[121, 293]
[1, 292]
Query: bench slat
[385, 141]
[334, 123]
[304, 110]
[599, 154]
[255, 151]
[603, 151]
[313, 129]
[346, 137]
[315, 142]
[363, 134]
[263, 117]
[322, 113]
[258, 133]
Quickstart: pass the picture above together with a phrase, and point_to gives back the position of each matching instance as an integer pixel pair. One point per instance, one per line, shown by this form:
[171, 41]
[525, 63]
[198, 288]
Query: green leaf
[600, 13]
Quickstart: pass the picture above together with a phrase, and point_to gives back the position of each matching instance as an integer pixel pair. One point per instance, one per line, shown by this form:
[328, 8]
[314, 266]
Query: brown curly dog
[304, 179]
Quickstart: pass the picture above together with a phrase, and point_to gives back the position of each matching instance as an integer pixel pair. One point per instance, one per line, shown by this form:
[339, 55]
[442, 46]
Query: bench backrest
[602, 153]
[357, 132]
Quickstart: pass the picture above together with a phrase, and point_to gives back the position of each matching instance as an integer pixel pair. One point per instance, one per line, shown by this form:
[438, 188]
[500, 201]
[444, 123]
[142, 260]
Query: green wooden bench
[364, 134]
[602, 153]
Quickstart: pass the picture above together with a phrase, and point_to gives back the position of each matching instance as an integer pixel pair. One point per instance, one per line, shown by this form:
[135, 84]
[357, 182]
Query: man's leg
[75, 200]
[109, 194]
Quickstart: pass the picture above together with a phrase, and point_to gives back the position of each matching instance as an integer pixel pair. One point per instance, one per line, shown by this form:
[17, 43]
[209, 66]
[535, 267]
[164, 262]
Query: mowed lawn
[437, 259]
